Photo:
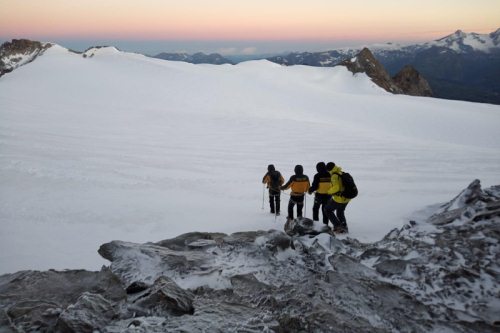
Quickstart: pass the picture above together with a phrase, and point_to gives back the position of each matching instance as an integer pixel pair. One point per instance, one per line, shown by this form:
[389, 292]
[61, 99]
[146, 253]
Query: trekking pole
[305, 205]
[263, 194]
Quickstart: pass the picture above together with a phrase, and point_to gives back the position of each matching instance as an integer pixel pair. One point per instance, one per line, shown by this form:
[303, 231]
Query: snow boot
[342, 229]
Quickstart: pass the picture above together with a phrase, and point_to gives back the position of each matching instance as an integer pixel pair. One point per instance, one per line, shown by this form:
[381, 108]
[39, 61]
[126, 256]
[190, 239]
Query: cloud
[237, 51]
[249, 50]
[227, 50]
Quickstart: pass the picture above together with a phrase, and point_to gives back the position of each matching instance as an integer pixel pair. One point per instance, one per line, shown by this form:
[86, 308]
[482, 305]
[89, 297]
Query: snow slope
[121, 146]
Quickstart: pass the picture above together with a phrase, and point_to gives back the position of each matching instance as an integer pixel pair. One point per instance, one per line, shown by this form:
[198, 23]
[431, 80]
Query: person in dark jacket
[320, 185]
[273, 179]
[299, 183]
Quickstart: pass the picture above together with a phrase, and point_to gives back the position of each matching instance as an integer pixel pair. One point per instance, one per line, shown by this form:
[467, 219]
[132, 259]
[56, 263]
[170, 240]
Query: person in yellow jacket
[335, 207]
[299, 183]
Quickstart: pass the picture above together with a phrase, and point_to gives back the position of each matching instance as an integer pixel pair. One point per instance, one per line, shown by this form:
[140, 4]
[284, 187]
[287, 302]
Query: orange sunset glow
[240, 20]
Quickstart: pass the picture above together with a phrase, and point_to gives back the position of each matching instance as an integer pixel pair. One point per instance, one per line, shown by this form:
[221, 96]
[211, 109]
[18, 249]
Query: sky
[241, 26]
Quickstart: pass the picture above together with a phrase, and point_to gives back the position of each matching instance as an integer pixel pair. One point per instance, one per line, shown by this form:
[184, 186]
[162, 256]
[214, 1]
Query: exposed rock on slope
[411, 82]
[365, 62]
[438, 275]
[19, 52]
[408, 81]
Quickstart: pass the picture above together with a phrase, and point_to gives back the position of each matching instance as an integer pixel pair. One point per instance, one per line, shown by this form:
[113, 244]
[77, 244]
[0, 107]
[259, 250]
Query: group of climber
[333, 190]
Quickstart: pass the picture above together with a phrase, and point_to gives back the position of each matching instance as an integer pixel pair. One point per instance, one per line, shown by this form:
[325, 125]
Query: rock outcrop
[411, 82]
[437, 275]
[39, 301]
[91, 312]
[19, 52]
[408, 81]
[304, 226]
[365, 62]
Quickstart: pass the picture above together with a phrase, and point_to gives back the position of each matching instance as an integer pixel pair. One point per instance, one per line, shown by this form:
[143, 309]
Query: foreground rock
[40, 301]
[439, 275]
[304, 226]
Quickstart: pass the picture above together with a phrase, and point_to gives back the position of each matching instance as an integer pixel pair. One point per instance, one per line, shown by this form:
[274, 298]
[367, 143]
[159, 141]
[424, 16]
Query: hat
[320, 166]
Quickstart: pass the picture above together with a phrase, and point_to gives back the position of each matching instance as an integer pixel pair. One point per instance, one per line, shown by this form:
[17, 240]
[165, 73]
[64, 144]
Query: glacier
[117, 145]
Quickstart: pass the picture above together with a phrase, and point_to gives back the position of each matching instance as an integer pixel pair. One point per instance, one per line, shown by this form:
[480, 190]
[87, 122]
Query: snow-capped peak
[457, 35]
[495, 33]
[461, 42]
[495, 37]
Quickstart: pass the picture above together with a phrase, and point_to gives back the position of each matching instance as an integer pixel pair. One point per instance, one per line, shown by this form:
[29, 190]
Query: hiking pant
[320, 201]
[274, 200]
[335, 212]
[295, 199]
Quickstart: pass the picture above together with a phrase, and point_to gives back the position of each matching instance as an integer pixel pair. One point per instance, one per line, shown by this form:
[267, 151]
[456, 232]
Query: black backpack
[350, 190]
[275, 180]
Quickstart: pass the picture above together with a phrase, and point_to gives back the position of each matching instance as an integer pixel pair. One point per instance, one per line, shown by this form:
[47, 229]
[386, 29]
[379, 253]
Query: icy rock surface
[36, 301]
[90, 312]
[451, 262]
[438, 275]
[304, 226]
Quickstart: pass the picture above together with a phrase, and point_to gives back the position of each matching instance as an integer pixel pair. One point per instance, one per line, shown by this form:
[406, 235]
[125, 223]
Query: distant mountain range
[463, 66]
[19, 52]
[197, 58]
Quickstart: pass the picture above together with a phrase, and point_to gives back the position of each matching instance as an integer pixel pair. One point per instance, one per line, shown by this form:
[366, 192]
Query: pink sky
[324, 22]
[246, 20]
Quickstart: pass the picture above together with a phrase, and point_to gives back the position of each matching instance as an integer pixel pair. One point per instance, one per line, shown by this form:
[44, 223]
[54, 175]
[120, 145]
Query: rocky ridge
[437, 275]
[365, 62]
[408, 81]
[411, 82]
[19, 52]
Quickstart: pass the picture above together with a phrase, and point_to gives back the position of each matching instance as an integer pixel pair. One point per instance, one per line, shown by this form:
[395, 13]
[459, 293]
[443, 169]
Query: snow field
[120, 146]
